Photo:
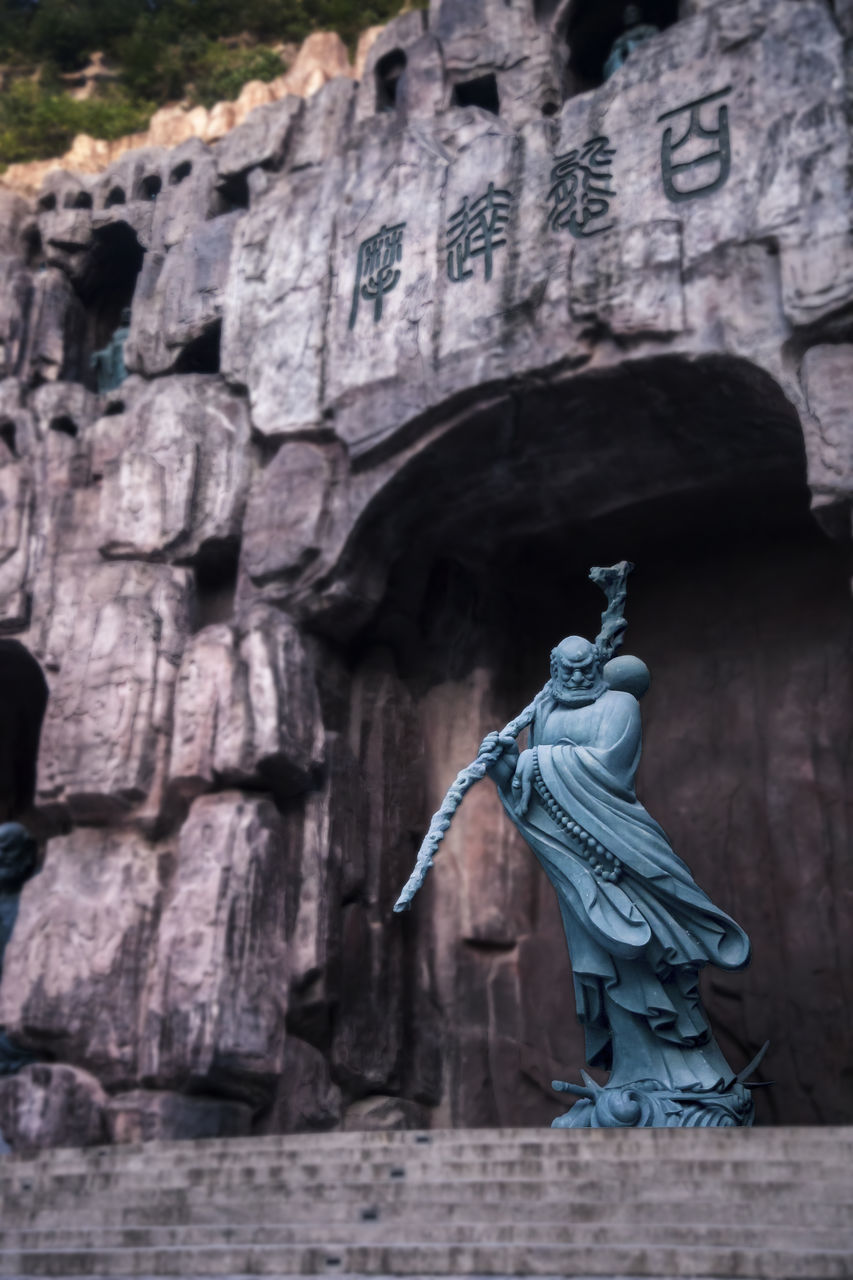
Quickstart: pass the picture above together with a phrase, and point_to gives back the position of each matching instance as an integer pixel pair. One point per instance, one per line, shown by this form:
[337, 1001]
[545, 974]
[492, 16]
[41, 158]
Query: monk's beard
[571, 696]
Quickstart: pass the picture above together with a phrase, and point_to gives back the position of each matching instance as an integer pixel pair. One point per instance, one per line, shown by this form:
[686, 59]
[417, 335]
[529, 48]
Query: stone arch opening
[180, 173]
[478, 548]
[202, 354]
[233, 193]
[480, 92]
[215, 582]
[389, 70]
[23, 691]
[77, 200]
[150, 187]
[591, 27]
[9, 436]
[32, 246]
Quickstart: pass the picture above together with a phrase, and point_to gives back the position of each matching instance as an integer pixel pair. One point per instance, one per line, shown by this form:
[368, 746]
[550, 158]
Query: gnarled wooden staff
[612, 581]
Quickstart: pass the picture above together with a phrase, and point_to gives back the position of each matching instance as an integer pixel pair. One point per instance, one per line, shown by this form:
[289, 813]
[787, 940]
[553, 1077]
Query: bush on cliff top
[37, 125]
[162, 50]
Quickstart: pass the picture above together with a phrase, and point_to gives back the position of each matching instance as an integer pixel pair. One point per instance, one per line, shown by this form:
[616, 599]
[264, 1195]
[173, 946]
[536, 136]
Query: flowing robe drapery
[637, 943]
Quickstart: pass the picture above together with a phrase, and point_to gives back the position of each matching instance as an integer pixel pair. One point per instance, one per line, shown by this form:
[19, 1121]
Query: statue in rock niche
[638, 927]
[108, 363]
[634, 33]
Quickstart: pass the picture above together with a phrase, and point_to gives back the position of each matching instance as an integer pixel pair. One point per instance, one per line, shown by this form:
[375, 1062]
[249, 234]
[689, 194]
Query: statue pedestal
[647, 1104]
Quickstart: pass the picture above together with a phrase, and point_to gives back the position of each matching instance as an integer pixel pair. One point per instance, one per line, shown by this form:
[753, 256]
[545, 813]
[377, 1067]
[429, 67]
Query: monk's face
[576, 672]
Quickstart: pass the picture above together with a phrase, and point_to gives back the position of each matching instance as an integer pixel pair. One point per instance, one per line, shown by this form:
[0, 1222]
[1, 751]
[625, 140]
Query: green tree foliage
[35, 125]
[163, 50]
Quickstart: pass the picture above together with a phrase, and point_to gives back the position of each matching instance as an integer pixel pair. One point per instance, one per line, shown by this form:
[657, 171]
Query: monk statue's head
[576, 677]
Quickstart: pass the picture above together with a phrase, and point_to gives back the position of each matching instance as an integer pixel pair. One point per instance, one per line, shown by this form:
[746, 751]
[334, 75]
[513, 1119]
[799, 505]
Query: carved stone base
[647, 1104]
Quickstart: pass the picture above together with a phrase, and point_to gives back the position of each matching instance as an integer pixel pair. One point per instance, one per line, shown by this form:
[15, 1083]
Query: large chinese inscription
[680, 164]
[475, 230]
[581, 189]
[376, 270]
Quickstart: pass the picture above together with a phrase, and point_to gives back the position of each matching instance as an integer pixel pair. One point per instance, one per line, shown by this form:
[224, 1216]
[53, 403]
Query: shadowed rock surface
[282, 580]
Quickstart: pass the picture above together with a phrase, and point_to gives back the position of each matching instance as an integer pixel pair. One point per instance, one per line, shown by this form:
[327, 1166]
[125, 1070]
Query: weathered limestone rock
[211, 737]
[15, 213]
[16, 506]
[144, 1115]
[424, 91]
[631, 281]
[276, 299]
[254, 94]
[111, 642]
[306, 1098]
[314, 943]
[53, 346]
[216, 995]
[287, 509]
[399, 328]
[367, 1047]
[53, 402]
[60, 457]
[322, 56]
[323, 125]
[188, 195]
[175, 467]
[504, 41]
[365, 43]
[15, 523]
[287, 728]
[385, 1113]
[74, 969]
[261, 140]
[246, 710]
[827, 377]
[128, 192]
[398, 37]
[16, 297]
[221, 119]
[64, 219]
[179, 298]
[52, 1105]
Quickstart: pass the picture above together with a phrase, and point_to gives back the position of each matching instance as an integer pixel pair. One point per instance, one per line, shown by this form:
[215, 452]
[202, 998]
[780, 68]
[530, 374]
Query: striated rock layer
[406, 357]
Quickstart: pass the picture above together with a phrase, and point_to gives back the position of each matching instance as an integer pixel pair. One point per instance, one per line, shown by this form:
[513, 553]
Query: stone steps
[417, 1259]
[492, 1195]
[481, 1142]
[291, 1178]
[391, 1231]
[773, 1204]
[753, 1202]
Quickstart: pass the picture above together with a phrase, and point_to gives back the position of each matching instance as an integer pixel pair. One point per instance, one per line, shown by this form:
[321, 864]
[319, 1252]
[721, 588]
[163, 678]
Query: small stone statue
[109, 361]
[17, 864]
[638, 927]
[636, 33]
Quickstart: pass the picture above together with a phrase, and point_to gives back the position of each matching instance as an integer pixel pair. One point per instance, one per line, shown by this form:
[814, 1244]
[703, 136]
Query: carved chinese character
[476, 230]
[580, 189]
[683, 166]
[376, 272]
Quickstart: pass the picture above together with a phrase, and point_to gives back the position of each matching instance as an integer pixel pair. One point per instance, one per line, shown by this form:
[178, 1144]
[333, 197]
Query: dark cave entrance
[590, 28]
[389, 71]
[107, 286]
[23, 695]
[694, 470]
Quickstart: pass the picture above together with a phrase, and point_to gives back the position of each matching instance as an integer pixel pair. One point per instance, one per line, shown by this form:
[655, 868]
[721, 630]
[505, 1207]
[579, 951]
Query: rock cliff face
[406, 357]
